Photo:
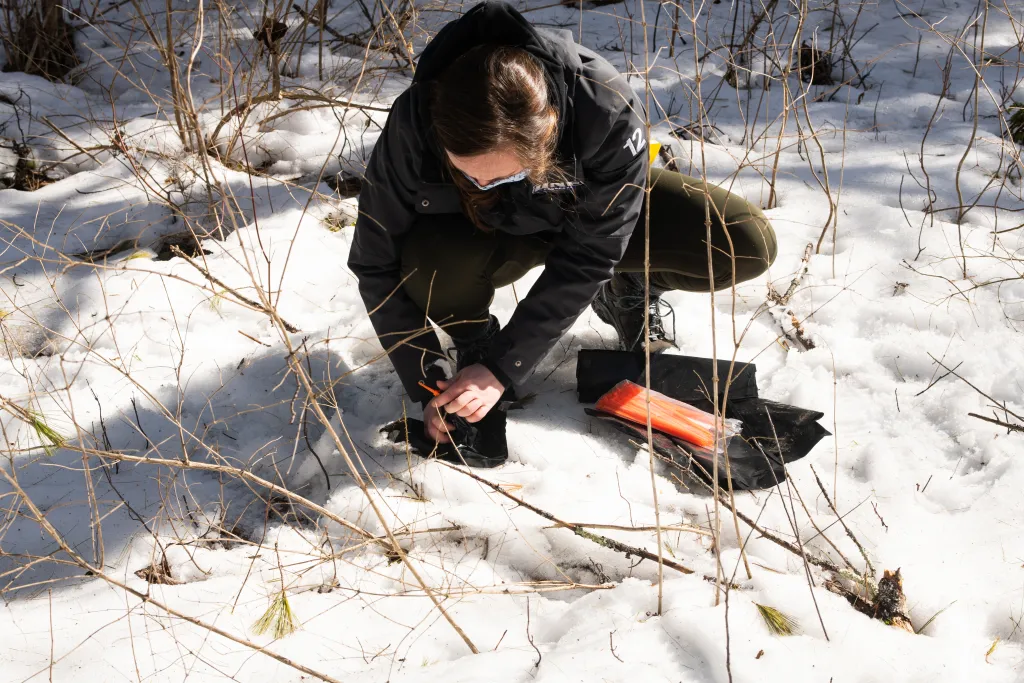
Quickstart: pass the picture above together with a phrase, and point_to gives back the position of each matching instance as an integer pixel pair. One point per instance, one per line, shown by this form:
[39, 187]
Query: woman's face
[485, 169]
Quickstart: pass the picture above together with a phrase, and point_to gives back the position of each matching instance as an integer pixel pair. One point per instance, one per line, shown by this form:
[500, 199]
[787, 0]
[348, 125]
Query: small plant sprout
[49, 438]
[279, 619]
[779, 623]
[216, 301]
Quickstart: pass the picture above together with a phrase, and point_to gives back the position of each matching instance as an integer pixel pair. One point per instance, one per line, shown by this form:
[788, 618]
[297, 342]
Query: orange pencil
[432, 390]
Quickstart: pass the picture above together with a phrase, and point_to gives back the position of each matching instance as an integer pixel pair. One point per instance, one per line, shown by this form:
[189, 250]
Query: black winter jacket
[602, 146]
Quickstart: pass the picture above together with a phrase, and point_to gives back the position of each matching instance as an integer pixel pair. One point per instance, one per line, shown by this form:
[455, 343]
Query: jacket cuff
[498, 372]
[509, 366]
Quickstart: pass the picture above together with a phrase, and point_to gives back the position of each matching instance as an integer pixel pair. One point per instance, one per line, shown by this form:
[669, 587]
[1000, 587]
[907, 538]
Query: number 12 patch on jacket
[635, 142]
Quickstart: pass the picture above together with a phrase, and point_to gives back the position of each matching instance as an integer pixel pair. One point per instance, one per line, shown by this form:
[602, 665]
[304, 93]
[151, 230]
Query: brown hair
[495, 97]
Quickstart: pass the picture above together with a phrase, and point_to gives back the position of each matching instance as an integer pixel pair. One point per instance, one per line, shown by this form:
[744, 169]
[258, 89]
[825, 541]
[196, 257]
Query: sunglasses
[514, 178]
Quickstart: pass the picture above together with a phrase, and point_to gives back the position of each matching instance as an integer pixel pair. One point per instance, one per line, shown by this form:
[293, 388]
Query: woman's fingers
[465, 396]
[437, 432]
[480, 414]
[458, 404]
[451, 391]
[471, 408]
[454, 398]
[435, 427]
[467, 403]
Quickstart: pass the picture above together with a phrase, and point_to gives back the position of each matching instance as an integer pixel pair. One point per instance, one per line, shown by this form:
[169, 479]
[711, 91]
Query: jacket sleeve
[594, 240]
[386, 214]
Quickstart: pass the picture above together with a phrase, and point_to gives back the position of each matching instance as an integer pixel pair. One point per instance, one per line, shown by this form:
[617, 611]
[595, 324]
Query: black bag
[684, 378]
[773, 435]
[480, 444]
[476, 445]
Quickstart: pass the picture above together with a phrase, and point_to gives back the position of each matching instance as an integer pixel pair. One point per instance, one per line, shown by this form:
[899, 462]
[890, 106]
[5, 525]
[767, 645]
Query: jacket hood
[498, 23]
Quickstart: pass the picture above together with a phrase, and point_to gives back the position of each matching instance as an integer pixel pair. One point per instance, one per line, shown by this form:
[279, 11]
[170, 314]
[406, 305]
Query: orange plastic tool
[431, 389]
[627, 400]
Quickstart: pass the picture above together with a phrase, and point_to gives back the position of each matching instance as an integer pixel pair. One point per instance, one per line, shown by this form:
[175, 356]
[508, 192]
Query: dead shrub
[38, 39]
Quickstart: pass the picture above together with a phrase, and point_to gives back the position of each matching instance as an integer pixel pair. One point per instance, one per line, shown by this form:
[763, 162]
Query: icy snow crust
[143, 345]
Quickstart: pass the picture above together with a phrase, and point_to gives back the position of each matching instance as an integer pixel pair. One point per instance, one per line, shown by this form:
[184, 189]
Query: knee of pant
[758, 248]
[445, 275]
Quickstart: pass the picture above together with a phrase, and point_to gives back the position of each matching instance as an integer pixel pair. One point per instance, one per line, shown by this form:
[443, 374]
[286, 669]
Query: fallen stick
[577, 529]
[176, 250]
[1008, 425]
[995, 403]
[849, 532]
[781, 542]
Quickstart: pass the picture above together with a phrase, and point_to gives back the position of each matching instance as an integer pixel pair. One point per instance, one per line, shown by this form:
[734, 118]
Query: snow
[150, 357]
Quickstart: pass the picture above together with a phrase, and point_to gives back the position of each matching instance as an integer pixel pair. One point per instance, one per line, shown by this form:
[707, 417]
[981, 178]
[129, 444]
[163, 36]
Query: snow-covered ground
[143, 355]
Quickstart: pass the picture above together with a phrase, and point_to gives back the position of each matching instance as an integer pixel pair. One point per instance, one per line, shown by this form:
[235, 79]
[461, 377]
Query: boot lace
[657, 311]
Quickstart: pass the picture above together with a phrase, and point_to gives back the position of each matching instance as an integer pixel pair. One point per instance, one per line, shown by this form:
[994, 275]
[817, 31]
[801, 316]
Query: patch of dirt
[26, 340]
[158, 573]
[185, 241]
[26, 176]
[346, 186]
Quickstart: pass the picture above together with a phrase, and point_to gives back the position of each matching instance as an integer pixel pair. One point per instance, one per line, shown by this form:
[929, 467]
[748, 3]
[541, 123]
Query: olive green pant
[451, 268]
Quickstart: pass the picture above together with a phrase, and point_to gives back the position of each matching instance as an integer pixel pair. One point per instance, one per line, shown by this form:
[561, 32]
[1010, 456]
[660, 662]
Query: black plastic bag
[684, 378]
[773, 435]
[480, 444]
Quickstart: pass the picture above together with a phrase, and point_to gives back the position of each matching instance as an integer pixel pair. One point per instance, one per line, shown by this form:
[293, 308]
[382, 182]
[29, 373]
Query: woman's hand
[470, 394]
[433, 424]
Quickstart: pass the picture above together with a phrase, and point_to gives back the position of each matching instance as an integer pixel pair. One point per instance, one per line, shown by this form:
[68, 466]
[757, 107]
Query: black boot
[620, 303]
[476, 444]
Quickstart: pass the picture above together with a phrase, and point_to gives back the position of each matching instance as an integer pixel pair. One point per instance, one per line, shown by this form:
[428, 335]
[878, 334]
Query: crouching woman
[516, 148]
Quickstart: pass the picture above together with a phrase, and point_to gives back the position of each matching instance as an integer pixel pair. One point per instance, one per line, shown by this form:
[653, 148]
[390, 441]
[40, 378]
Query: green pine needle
[778, 623]
[278, 619]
